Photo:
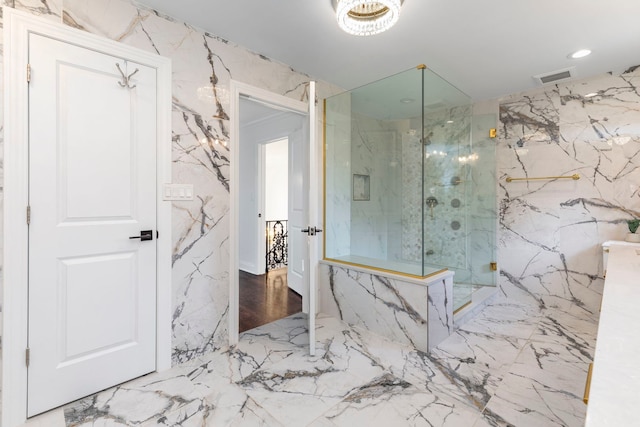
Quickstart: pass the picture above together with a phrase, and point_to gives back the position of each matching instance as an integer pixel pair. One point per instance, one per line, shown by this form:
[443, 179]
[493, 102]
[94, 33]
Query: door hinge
[28, 73]
[28, 215]
[27, 356]
[493, 266]
[493, 133]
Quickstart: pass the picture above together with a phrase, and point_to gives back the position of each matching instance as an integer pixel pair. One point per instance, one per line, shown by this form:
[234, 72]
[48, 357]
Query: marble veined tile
[154, 395]
[577, 333]
[473, 378]
[505, 318]
[391, 401]
[229, 405]
[524, 402]
[296, 392]
[476, 363]
[545, 384]
[49, 9]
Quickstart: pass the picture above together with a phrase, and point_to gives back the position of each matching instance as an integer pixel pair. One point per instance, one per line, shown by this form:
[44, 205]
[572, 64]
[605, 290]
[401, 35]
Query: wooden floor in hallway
[266, 298]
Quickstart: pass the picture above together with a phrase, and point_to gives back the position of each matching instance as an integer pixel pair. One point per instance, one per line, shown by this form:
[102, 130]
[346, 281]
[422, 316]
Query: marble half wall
[202, 67]
[551, 231]
[417, 312]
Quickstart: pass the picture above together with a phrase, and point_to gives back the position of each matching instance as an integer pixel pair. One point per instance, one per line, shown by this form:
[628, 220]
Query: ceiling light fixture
[580, 53]
[367, 17]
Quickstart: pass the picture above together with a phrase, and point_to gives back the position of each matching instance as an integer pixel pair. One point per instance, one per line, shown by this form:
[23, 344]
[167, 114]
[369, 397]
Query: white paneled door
[298, 256]
[92, 196]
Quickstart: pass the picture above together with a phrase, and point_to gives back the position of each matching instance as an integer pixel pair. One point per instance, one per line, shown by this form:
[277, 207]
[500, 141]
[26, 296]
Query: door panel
[84, 304]
[89, 165]
[297, 271]
[92, 289]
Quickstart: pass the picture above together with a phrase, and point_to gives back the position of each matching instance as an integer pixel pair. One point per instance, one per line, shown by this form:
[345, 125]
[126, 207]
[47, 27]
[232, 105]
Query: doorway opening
[266, 290]
[296, 121]
[265, 294]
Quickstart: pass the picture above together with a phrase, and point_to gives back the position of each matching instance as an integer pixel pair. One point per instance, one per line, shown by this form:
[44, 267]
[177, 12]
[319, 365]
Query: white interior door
[314, 219]
[92, 289]
[303, 216]
[298, 267]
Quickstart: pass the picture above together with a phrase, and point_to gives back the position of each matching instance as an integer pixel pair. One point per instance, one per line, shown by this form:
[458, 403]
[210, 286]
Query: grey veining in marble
[513, 365]
[551, 230]
[410, 313]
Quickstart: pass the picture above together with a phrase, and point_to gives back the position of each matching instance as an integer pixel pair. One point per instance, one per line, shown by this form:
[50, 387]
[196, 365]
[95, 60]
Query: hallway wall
[551, 231]
[203, 66]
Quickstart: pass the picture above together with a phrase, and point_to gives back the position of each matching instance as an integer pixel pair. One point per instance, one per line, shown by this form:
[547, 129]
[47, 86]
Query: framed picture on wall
[361, 188]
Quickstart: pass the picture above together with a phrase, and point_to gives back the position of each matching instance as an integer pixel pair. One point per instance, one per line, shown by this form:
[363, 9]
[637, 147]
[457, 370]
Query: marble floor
[512, 365]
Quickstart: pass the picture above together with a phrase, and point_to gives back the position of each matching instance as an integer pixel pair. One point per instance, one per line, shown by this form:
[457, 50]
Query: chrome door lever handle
[311, 231]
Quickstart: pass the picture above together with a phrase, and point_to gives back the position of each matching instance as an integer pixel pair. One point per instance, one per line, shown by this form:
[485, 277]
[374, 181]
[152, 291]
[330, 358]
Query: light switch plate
[177, 192]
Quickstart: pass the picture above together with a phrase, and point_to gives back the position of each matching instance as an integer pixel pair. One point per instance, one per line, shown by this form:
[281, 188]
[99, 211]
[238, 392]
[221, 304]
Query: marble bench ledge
[412, 311]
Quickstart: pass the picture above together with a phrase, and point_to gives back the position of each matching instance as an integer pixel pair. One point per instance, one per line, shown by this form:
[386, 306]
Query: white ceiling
[486, 48]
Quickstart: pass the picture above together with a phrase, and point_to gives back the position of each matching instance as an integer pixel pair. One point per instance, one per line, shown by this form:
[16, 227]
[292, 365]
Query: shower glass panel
[404, 169]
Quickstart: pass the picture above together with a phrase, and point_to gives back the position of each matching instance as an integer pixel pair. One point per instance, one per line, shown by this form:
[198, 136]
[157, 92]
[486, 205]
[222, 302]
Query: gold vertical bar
[587, 386]
[324, 178]
[493, 132]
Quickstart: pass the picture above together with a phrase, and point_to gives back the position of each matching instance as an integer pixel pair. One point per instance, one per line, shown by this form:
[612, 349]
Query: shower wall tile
[551, 230]
[375, 153]
[447, 177]
[202, 68]
[420, 315]
[338, 176]
[412, 153]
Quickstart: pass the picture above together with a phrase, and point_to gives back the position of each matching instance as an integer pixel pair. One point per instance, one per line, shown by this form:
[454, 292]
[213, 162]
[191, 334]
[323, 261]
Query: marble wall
[416, 312]
[459, 232]
[338, 178]
[203, 66]
[551, 231]
[375, 223]
[445, 179]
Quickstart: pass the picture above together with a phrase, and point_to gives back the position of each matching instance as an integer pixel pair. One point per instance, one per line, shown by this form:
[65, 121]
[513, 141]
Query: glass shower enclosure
[410, 182]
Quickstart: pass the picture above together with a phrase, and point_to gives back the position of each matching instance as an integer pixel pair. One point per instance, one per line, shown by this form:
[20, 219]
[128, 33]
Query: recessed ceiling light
[407, 100]
[449, 121]
[580, 53]
[591, 95]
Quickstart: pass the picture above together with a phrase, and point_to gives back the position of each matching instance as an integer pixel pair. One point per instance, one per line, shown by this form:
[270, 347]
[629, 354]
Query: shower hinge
[493, 132]
[28, 73]
[493, 266]
[27, 356]
[28, 215]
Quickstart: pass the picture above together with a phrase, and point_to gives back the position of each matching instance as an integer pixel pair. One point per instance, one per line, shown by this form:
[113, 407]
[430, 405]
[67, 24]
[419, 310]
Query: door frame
[237, 90]
[17, 27]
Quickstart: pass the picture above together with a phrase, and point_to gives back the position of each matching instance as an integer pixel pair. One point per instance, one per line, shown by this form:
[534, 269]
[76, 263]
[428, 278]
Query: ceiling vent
[555, 76]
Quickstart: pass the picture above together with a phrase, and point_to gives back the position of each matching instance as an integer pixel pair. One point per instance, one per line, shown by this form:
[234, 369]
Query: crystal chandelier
[367, 17]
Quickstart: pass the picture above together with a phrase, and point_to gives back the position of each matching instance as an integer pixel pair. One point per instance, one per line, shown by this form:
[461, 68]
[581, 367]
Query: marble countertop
[614, 396]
